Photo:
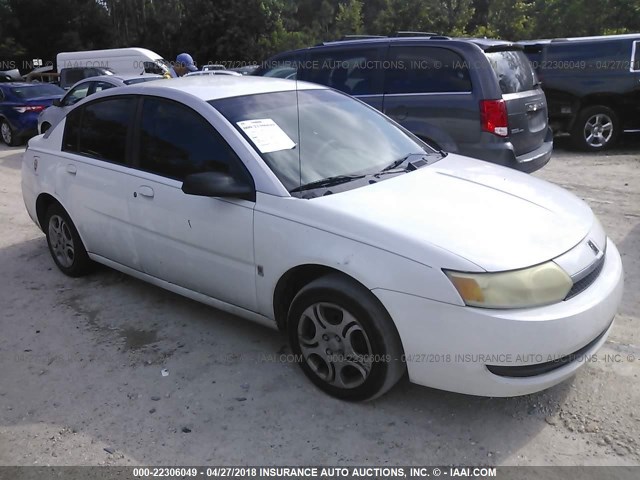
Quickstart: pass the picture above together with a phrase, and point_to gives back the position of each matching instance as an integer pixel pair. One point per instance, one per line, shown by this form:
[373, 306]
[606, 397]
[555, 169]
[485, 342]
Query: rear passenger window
[99, 130]
[175, 142]
[426, 70]
[356, 72]
[599, 55]
[636, 56]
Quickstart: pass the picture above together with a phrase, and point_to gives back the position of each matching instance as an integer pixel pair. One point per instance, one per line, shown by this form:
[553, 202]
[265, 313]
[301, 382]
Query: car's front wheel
[596, 128]
[65, 244]
[7, 134]
[344, 339]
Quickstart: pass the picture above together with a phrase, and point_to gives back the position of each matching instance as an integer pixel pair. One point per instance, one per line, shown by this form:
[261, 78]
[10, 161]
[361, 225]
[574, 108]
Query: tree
[511, 19]
[70, 25]
[349, 19]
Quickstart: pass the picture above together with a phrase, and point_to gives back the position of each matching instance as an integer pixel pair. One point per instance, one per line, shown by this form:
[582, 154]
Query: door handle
[145, 191]
[72, 169]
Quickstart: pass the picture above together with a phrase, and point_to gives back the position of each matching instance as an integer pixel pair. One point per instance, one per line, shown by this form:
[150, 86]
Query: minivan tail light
[29, 108]
[494, 118]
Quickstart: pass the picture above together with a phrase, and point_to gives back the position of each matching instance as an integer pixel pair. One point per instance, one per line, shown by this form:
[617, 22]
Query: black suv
[592, 86]
[476, 97]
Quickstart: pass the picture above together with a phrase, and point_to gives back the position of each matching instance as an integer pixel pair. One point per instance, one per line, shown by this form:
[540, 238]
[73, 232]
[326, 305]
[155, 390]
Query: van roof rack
[408, 33]
[359, 37]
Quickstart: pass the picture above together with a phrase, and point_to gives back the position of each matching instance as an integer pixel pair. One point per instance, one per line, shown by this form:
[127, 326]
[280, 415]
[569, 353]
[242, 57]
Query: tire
[344, 339]
[596, 128]
[7, 134]
[65, 245]
[44, 127]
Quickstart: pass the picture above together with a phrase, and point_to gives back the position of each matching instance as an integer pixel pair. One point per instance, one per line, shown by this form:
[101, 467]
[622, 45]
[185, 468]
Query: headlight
[530, 287]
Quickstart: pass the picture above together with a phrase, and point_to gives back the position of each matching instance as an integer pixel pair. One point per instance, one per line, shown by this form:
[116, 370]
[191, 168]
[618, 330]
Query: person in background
[184, 63]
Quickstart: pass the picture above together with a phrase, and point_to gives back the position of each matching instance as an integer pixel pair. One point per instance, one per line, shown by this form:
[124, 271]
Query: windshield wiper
[327, 182]
[398, 162]
[389, 169]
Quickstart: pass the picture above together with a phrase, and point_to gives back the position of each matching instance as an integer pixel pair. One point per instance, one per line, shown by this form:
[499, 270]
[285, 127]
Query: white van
[130, 61]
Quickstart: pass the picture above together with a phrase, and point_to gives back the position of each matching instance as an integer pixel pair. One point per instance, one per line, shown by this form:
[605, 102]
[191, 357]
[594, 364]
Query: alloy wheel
[7, 134]
[335, 345]
[61, 241]
[598, 130]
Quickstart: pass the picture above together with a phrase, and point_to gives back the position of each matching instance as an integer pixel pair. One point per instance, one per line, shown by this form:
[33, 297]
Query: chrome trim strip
[426, 93]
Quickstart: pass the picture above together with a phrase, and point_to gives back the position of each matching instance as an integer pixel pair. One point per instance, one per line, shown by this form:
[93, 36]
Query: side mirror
[57, 102]
[217, 184]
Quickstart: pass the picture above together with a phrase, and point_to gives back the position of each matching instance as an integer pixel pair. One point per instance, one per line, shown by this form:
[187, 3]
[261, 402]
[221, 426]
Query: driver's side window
[175, 141]
[76, 94]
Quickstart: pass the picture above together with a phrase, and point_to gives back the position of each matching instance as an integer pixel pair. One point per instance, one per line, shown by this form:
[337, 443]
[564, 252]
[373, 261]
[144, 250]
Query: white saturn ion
[301, 208]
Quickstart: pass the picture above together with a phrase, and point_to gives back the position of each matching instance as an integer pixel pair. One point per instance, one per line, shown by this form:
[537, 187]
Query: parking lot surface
[82, 360]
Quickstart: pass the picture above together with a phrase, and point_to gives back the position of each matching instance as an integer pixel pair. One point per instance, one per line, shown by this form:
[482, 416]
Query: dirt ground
[81, 362]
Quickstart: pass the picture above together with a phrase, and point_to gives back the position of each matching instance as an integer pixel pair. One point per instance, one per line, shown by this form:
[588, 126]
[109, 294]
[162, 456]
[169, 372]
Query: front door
[200, 243]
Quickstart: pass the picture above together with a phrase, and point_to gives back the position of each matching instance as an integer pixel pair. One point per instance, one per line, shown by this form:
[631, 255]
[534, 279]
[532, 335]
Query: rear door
[355, 70]
[525, 101]
[428, 90]
[94, 180]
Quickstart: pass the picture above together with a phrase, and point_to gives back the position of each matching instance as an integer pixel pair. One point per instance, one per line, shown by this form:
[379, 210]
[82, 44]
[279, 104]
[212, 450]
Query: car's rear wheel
[65, 244]
[344, 339]
[596, 128]
[7, 134]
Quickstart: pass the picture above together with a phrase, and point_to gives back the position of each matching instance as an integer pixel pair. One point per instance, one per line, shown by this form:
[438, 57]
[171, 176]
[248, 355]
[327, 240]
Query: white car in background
[299, 207]
[56, 112]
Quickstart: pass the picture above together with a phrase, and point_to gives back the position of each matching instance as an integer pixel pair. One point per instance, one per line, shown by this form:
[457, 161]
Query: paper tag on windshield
[266, 135]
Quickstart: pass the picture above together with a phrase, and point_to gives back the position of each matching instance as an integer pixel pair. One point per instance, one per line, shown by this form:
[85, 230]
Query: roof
[111, 52]
[213, 87]
[19, 84]
[483, 43]
[599, 38]
[118, 77]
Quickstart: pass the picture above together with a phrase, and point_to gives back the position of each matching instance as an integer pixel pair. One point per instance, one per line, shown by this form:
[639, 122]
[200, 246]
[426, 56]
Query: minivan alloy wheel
[62, 242]
[335, 345]
[598, 130]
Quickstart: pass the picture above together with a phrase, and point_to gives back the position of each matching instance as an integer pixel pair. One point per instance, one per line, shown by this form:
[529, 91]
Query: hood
[495, 217]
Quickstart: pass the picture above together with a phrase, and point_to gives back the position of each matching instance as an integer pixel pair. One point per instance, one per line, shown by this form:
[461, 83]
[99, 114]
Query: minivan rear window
[513, 70]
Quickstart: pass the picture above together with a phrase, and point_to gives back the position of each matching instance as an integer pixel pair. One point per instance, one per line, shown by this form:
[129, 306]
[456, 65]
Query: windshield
[37, 91]
[339, 136]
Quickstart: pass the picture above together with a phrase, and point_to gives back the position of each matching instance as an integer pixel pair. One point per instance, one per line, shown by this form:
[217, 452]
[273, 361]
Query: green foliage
[251, 30]
[349, 18]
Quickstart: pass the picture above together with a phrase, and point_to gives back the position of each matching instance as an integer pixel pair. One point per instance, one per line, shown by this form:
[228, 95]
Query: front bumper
[449, 347]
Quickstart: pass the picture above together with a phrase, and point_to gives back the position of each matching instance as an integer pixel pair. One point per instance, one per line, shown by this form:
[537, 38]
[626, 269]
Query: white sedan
[306, 210]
